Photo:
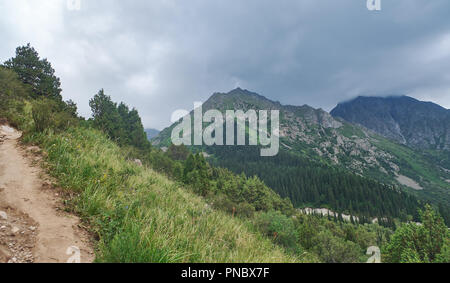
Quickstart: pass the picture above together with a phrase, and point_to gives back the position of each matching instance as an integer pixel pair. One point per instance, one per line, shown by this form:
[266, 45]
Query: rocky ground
[17, 236]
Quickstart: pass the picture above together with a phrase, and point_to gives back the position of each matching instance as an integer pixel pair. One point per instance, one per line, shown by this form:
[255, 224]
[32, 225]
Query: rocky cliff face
[415, 123]
[245, 100]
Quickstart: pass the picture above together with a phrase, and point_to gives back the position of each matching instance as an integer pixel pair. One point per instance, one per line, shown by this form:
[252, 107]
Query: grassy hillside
[134, 213]
[423, 167]
[141, 216]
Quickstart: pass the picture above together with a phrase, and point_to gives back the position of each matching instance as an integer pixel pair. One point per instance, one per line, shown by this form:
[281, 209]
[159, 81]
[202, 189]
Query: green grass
[421, 167]
[413, 163]
[140, 215]
[349, 131]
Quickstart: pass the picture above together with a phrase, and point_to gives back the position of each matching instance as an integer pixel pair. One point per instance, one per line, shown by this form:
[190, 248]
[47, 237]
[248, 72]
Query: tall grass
[140, 215]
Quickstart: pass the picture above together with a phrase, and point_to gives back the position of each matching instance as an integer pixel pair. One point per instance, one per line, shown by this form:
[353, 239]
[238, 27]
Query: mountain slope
[419, 124]
[141, 216]
[135, 213]
[28, 200]
[151, 133]
[312, 138]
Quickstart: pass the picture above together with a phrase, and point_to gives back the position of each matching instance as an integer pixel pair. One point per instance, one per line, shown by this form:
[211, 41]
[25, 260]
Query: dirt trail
[33, 228]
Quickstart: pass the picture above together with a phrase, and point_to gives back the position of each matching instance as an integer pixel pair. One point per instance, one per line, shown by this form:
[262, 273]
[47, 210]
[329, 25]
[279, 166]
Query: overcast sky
[162, 55]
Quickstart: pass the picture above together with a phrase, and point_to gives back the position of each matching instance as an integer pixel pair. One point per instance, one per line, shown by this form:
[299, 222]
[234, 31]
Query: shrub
[47, 115]
[139, 215]
[279, 227]
[427, 242]
[332, 249]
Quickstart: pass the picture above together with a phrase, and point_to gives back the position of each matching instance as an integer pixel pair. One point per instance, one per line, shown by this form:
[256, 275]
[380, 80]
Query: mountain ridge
[316, 135]
[419, 124]
[151, 133]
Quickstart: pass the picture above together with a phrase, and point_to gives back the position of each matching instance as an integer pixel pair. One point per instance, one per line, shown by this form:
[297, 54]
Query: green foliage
[306, 182]
[71, 108]
[317, 163]
[279, 227]
[35, 72]
[10, 87]
[178, 152]
[238, 195]
[12, 99]
[118, 121]
[333, 241]
[444, 256]
[240, 190]
[332, 249]
[415, 163]
[27, 78]
[141, 216]
[196, 172]
[47, 114]
[425, 242]
[105, 114]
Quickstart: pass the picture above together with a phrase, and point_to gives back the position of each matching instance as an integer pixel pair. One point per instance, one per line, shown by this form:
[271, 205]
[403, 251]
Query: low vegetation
[140, 215]
[177, 207]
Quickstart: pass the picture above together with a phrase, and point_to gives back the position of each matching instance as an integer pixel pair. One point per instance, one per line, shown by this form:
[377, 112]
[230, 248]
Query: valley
[315, 137]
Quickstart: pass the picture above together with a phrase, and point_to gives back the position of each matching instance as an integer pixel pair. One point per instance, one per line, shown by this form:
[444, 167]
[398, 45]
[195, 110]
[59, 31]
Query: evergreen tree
[35, 72]
[310, 183]
[425, 242]
[118, 122]
[105, 115]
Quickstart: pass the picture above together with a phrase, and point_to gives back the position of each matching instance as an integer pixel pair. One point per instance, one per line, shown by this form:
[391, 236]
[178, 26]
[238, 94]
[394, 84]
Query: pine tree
[35, 72]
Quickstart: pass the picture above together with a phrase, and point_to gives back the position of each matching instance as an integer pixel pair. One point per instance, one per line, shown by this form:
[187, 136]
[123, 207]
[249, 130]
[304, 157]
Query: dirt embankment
[33, 225]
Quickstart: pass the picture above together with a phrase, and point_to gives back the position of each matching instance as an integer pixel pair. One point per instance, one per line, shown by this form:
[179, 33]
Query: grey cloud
[163, 55]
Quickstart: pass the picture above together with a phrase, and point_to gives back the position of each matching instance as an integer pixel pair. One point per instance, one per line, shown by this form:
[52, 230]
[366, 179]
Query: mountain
[321, 157]
[151, 133]
[422, 125]
[141, 204]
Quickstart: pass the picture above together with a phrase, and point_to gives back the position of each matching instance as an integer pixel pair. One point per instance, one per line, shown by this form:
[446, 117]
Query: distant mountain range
[419, 124]
[379, 142]
[151, 133]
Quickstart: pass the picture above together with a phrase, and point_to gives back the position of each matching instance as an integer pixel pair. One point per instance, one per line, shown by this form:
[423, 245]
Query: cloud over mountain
[162, 55]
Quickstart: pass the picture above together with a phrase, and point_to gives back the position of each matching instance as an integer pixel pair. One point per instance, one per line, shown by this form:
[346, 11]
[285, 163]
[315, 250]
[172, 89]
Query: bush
[427, 242]
[12, 99]
[245, 210]
[47, 115]
[279, 227]
[222, 202]
[332, 249]
[444, 256]
[139, 215]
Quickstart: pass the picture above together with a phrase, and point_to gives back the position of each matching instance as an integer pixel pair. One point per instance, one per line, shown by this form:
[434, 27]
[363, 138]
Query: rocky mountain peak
[401, 118]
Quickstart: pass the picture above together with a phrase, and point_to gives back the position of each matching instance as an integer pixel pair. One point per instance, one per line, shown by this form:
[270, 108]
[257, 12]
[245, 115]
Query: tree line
[310, 183]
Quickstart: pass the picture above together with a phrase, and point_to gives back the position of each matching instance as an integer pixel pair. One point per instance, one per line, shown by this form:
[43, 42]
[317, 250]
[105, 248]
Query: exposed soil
[409, 182]
[33, 224]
